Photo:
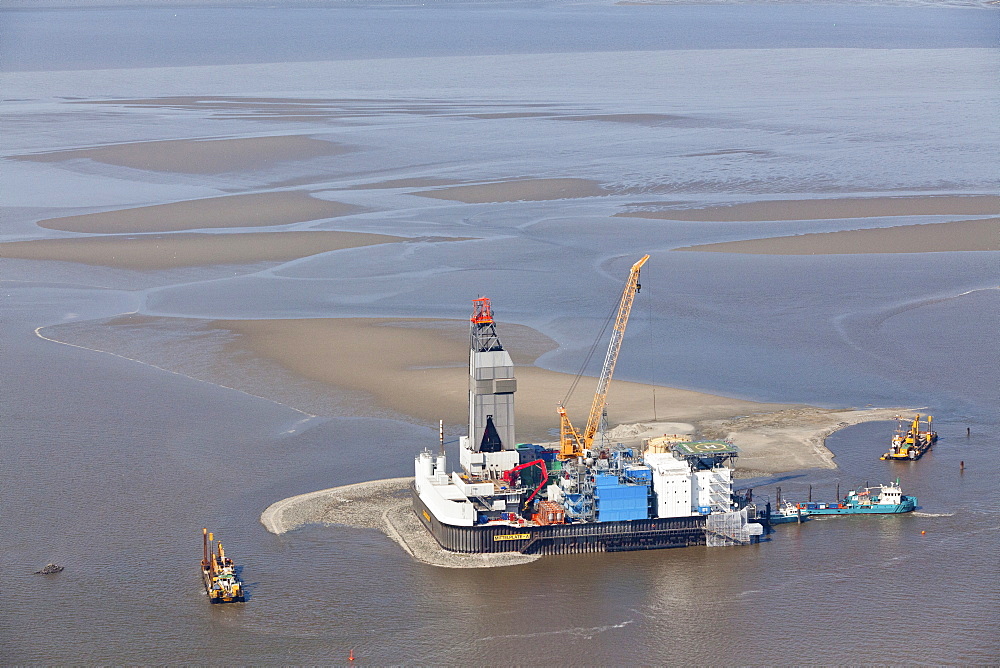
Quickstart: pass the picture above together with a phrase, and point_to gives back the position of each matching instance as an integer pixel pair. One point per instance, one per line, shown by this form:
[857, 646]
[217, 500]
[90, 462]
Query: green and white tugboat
[878, 500]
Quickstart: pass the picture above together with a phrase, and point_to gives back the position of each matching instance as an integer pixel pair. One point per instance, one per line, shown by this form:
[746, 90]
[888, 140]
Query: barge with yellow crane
[218, 572]
[913, 442]
[581, 495]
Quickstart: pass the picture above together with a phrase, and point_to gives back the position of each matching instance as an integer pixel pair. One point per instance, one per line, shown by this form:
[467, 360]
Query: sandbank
[252, 210]
[790, 439]
[520, 190]
[189, 249]
[826, 209]
[415, 182]
[418, 368]
[200, 156]
[963, 235]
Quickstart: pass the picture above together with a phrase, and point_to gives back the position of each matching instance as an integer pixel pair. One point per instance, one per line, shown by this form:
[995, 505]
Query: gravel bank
[380, 504]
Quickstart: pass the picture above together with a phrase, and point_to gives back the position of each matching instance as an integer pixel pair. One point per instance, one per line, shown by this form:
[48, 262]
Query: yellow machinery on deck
[912, 443]
[572, 443]
[218, 572]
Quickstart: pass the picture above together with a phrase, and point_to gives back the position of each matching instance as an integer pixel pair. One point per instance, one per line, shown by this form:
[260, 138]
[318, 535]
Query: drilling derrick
[491, 384]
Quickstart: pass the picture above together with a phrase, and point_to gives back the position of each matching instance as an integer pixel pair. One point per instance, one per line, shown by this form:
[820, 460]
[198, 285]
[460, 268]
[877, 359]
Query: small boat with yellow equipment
[912, 443]
[219, 573]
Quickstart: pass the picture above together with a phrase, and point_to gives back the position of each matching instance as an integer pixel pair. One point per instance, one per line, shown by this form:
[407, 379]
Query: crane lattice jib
[624, 308]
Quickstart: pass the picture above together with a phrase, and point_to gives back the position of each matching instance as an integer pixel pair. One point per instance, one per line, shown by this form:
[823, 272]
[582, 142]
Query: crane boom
[572, 443]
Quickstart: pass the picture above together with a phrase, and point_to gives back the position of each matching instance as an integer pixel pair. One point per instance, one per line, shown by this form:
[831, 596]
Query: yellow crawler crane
[572, 443]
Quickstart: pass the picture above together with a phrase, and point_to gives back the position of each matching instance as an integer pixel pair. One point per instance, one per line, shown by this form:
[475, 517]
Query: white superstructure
[501, 483]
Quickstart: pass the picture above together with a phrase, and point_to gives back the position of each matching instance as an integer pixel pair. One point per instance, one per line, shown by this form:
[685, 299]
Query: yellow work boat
[911, 443]
[219, 573]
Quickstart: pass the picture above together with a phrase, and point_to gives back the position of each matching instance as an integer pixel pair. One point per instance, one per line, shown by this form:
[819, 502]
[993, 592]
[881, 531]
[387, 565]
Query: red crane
[512, 475]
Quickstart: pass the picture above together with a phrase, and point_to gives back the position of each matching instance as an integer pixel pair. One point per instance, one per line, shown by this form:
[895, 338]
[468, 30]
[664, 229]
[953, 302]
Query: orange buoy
[351, 656]
[922, 533]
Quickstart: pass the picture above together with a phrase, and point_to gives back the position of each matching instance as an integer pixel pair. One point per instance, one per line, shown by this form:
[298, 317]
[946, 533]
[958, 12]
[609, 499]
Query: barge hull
[863, 511]
[618, 536]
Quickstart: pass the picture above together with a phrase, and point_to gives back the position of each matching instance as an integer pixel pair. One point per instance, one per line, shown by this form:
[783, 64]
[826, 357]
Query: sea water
[111, 466]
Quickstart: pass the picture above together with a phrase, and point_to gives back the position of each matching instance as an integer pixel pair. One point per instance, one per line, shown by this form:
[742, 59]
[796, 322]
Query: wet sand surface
[412, 368]
[417, 372]
[253, 210]
[201, 156]
[825, 209]
[964, 235]
[521, 190]
[167, 251]
[772, 439]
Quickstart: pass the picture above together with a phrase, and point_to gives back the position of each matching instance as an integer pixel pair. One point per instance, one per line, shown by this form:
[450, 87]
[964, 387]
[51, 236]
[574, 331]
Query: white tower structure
[491, 384]
[489, 447]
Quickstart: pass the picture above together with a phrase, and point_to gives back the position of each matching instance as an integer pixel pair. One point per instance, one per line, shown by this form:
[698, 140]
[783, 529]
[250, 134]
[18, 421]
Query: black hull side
[622, 536]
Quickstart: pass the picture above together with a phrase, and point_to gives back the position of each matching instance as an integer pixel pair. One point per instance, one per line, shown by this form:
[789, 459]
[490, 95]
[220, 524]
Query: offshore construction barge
[578, 496]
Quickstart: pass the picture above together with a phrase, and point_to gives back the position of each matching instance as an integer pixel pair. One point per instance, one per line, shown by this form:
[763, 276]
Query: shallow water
[86, 39]
[110, 466]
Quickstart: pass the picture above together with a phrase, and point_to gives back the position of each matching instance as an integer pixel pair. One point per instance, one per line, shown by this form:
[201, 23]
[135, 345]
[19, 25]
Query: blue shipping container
[639, 473]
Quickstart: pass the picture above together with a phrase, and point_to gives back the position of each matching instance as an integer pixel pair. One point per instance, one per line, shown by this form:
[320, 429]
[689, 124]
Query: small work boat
[219, 573]
[786, 512]
[878, 500]
[911, 444]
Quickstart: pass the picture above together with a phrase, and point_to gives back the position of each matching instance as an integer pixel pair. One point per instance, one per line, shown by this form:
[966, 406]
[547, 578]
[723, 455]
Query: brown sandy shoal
[964, 235]
[186, 249]
[418, 368]
[520, 190]
[793, 438]
[253, 210]
[200, 156]
[415, 182]
[823, 209]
